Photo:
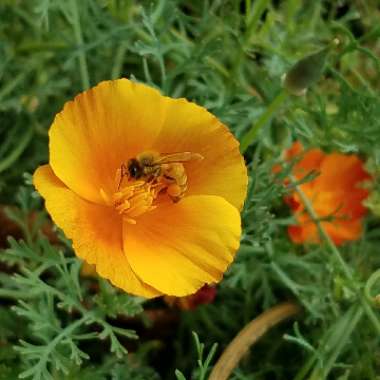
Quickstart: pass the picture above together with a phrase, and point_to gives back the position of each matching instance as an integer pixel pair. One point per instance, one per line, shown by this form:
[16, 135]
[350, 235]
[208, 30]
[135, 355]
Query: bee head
[135, 170]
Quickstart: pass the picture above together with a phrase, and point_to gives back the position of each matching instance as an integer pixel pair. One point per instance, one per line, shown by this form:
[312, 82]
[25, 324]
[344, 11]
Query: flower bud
[305, 72]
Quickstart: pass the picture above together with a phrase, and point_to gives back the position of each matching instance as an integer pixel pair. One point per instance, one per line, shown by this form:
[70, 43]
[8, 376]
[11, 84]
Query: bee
[164, 170]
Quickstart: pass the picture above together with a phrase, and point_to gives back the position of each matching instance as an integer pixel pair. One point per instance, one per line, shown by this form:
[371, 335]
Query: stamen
[162, 178]
[107, 200]
[134, 199]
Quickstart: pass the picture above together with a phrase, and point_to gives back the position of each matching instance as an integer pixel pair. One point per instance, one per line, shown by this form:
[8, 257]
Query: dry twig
[248, 336]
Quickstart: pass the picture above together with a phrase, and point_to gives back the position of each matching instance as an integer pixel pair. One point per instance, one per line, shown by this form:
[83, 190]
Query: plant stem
[322, 373]
[370, 313]
[79, 40]
[14, 294]
[8, 87]
[370, 283]
[119, 58]
[249, 335]
[65, 332]
[329, 339]
[8, 161]
[255, 14]
[248, 138]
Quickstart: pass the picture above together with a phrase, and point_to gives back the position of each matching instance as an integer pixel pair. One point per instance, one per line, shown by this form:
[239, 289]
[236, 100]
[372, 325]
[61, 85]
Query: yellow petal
[99, 130]
[191, 128]
[96, 232]
[179, 247]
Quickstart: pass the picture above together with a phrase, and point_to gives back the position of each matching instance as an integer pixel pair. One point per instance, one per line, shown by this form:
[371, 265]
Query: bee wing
[178, 157]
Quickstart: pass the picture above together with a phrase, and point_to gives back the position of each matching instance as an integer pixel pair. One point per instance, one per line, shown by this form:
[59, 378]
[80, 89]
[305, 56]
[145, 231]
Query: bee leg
[123, 173]
[174, 192]
[169, 178]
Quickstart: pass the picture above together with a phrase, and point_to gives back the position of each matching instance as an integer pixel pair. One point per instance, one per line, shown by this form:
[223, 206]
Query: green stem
[210, 61]
[340, 344]
[40, 46]
[79, 40]
[327, 342]
[373, 33]
[370, 283]
[259, 7]
[249, 136]
[370, 313]
[247, 11]
[14, 294]
[12, 84]
[118, 63]
[252, 18]
[217, 66]
[338, 257]
[50, 347]
[17, 151]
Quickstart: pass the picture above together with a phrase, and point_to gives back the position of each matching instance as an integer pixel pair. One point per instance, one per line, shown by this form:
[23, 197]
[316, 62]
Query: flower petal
[306, 232]
[101, 129]
[222, 172]
[336, 195]
[95, 230]
[344, 230]
[342, 171]
[311, 161]
[339, 230]
[179, 247]
[295, 150]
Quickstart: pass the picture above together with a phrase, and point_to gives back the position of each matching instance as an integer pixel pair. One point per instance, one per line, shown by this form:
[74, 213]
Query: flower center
[134, 197]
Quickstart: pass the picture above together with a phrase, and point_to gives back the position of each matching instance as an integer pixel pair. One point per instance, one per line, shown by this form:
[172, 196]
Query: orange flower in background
[149, 188]
[336, 194]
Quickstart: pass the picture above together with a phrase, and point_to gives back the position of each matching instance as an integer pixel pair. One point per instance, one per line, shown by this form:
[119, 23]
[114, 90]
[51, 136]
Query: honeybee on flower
[149, 188]
[165, 171]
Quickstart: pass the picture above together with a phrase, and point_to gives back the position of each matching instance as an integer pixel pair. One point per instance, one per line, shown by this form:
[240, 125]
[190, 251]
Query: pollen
[133, 198]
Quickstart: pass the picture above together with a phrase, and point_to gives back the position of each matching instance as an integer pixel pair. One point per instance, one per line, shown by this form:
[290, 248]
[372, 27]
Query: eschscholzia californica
[150, 225]
[336, 194]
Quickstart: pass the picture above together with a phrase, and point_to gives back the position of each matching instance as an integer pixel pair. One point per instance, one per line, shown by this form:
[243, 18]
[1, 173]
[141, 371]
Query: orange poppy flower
[336, 194]
[150, 225]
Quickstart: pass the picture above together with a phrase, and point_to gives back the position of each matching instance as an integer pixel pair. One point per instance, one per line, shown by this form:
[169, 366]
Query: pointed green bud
[305, 72]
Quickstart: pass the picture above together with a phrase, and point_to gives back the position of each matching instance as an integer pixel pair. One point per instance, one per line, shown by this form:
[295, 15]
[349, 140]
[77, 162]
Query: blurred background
[229, 56]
